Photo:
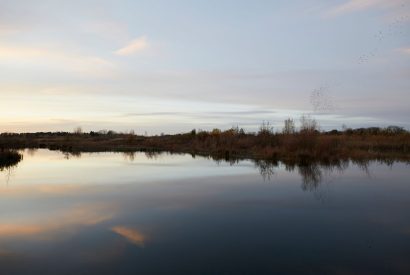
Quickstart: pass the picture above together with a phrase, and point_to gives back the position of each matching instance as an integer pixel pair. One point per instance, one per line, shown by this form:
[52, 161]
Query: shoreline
[305, 146]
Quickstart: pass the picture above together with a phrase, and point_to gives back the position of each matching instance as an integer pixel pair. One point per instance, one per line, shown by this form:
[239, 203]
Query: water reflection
[71, 154]
[266, 168]
[31, 151]
[42, 226]
[312, 173]
[113, 213]
[130, 156]
[152, 155]
[130, 234]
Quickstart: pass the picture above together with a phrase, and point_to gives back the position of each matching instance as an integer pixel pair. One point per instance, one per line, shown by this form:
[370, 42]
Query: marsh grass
[306, 144]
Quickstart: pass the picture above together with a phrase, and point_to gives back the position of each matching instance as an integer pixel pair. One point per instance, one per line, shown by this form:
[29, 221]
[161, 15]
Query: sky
[171, 66]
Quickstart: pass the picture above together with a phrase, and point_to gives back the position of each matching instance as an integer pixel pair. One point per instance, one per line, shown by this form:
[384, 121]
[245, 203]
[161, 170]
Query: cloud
[43, 57]
[405, 51]
[201, 114]
[361, 5]
[353, 6]
[107, 29]
[137, 45]
[5, 30]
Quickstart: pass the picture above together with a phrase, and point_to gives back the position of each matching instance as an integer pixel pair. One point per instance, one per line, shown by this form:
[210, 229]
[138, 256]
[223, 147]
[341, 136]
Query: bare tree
[308, 124]
[265, 129]
[289, 127]
[78, 130]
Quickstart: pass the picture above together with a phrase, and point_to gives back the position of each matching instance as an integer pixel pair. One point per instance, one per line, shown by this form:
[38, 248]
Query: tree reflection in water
[313, 172]
[31, 151]
[311, 176]
[130, 156]
[8, 160]
[72, 154]
[266, 168]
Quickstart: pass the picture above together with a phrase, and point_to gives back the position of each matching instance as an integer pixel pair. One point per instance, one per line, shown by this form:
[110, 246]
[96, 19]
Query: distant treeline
[389, 130]
[289, 143]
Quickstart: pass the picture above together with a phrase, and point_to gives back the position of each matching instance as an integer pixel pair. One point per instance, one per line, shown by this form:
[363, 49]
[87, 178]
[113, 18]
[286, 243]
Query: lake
[138, 213]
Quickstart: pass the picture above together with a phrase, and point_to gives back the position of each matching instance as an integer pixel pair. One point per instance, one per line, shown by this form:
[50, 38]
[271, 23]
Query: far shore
[291, 146]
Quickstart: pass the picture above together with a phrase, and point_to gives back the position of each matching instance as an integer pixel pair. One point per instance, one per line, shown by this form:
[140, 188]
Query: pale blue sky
[170, 66]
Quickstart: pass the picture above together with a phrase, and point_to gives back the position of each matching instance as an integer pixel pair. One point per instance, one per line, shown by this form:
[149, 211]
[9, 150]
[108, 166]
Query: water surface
[112, 213]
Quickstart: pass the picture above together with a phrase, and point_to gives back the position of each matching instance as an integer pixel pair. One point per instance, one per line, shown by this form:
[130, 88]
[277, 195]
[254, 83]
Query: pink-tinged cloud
[405, 51]
[135, 46]
[361, 5]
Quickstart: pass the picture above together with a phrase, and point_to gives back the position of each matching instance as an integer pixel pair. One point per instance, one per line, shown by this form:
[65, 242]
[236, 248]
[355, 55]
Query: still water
[112, 213]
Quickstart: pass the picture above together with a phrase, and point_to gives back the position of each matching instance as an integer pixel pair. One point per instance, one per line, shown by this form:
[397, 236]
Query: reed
[290, 145]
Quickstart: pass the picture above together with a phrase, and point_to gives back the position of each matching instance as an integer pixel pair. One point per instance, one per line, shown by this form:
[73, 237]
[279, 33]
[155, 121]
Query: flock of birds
[321, 99]
[395, 28]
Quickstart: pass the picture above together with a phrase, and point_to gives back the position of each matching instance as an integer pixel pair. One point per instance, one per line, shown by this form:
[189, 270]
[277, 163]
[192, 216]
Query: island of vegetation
[9, 158]
[289, 145]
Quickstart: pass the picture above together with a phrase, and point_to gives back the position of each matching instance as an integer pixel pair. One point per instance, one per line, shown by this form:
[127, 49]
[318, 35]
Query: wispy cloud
[107, 29]
[353, 6]
[40, 57]
[361, 5]
[137, 45]
[405, 51]
[5, 30]
[202, 114]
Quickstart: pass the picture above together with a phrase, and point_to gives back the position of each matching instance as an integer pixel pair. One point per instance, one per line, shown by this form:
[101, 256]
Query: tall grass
[291, 144]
